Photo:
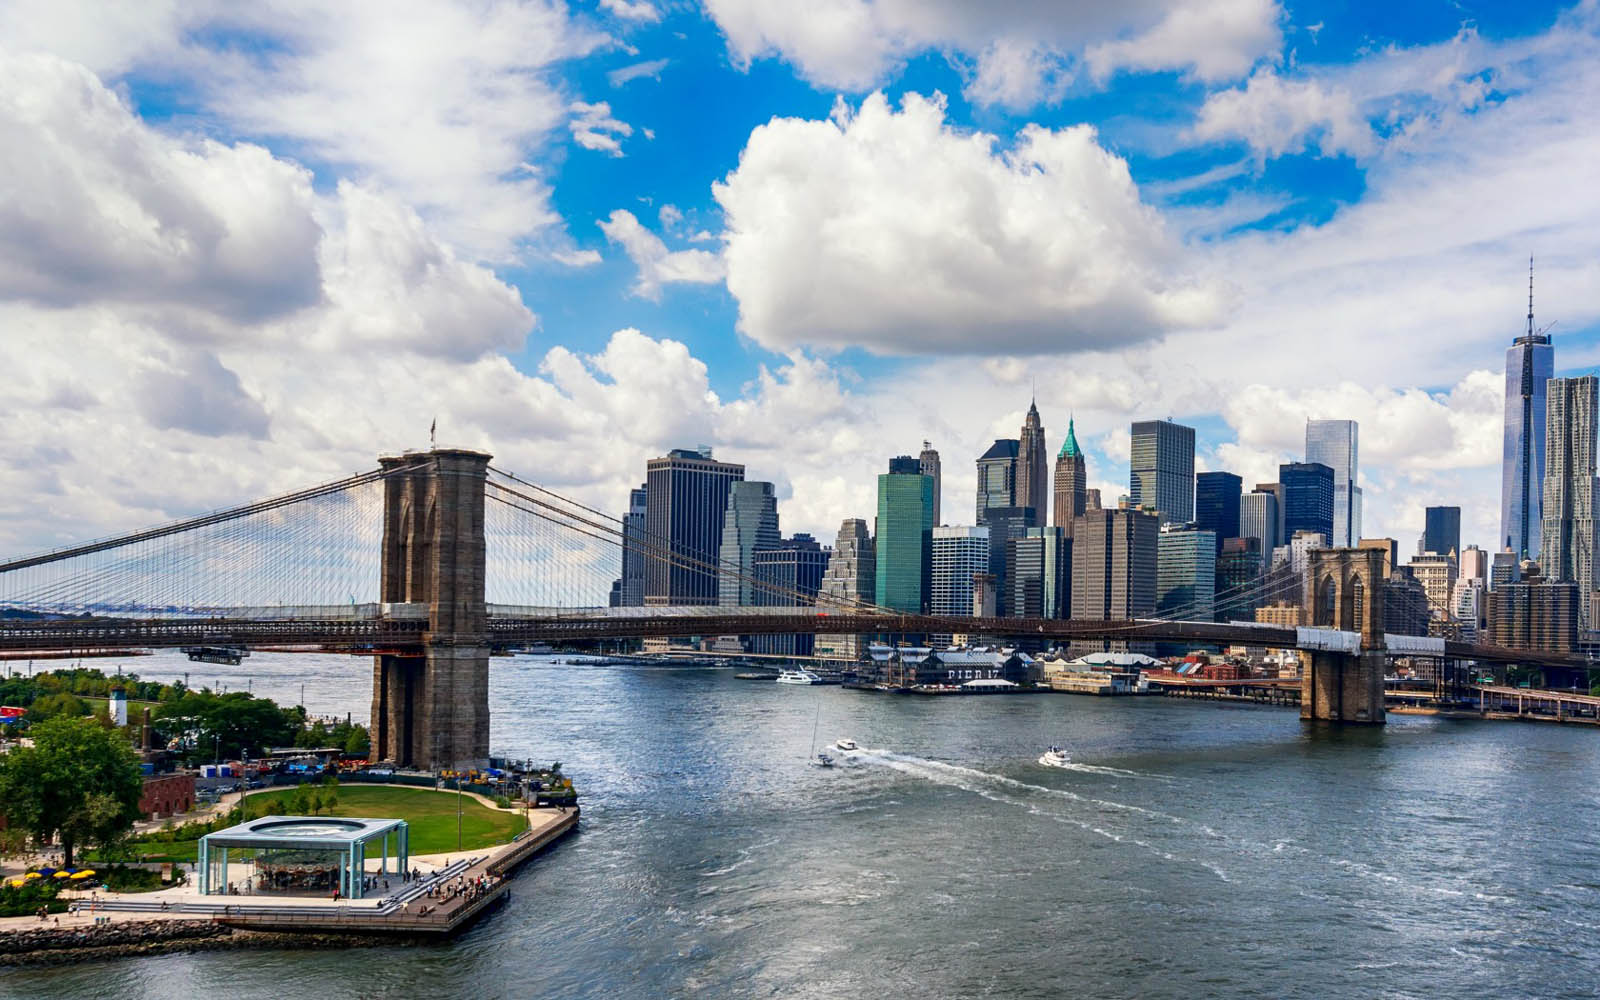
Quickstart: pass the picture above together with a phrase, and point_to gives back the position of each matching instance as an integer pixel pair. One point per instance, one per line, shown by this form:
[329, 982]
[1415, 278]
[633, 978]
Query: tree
[61, 703]
[208, 725]
[79, 781]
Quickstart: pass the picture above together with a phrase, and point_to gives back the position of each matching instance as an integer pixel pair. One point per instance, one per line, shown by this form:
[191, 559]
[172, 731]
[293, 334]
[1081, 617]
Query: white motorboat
[1055, 757]
[798, 677]
[846, 744]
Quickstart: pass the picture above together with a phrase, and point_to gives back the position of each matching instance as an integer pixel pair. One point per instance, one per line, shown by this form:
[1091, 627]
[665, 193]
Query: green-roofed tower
[1070, 480]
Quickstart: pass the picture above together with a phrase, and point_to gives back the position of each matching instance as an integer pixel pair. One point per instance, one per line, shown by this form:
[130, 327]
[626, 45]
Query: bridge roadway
[358, 629]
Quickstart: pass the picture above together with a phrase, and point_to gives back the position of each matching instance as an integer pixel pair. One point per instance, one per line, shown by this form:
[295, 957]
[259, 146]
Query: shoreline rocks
[138, 938]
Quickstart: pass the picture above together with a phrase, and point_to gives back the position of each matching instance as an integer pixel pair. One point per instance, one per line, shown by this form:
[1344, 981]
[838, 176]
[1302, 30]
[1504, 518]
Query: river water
[1190, 850]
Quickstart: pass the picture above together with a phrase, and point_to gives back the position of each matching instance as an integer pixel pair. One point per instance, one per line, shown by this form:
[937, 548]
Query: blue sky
[813, 236]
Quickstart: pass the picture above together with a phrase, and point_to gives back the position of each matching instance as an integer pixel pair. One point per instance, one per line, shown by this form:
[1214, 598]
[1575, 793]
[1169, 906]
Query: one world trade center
[1530, 362]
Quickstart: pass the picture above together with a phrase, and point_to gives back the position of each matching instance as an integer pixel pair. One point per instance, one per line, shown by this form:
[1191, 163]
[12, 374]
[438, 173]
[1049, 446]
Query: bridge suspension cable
[312, 547]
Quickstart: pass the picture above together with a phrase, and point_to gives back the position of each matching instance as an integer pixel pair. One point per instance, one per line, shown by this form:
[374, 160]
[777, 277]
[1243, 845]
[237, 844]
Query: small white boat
[798, 677]
[821, 760]
[1055, 757]
[846, 744]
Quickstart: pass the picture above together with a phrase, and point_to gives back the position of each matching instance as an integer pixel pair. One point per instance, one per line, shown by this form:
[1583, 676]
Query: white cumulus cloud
[890, 229]
[657, 265]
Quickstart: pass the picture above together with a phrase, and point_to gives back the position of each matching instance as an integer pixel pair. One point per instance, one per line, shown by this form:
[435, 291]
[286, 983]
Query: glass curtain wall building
[1161, 469]
[904, 536]
[1216, 504]
[1530, 363]
[1441, 530]
[1307, 498]
[997, 478]
[1186, 574]
[1258, 519]
[749, 525]
[1334, 443]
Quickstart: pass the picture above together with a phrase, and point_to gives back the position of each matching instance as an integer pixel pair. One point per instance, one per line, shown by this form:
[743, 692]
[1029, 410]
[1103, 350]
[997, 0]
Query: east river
[1190, 850]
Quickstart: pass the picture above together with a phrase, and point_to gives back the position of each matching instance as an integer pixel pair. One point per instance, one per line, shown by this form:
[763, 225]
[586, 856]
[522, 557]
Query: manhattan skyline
[557, 252]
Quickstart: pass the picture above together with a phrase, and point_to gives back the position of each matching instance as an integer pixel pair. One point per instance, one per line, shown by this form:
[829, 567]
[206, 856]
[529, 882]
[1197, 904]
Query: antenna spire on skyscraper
[1530, 297]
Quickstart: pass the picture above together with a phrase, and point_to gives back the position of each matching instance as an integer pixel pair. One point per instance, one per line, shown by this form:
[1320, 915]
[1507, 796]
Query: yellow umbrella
[33, 875]
[62, 875]
[17, 883]
[83, 874]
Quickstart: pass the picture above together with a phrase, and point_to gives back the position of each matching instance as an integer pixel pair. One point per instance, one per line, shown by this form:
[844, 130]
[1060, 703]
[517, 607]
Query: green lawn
[432, 816]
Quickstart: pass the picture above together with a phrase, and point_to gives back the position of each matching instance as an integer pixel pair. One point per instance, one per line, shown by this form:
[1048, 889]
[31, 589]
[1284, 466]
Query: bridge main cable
[204, 520]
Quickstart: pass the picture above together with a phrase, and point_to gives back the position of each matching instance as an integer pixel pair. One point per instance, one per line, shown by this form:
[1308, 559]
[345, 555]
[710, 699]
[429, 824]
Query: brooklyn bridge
[433, 560]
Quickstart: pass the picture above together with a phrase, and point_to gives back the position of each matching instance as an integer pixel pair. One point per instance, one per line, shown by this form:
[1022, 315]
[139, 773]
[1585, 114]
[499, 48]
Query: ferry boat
[1055, 757]
[846, 744]
[798, 677]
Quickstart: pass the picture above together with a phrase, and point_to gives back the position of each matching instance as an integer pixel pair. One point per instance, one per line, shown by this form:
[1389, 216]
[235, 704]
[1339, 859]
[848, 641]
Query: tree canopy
[80, 781]
[207, 725]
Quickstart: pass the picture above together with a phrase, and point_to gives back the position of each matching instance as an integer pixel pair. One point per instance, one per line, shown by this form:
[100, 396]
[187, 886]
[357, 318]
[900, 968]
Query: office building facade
[1161, 469]
[1534, 613]
[1335, 443]
[904, 546]
[1114, 564]
[1258, 519]
[1441, 530]
[928, 463]
[1567, 542]
[1071, 489]
[997, 478]
[790, 574]
[1239, 577]
[1530, 363]
[1033, 464]
[851, 580]
[1216, 504]
[686, 504]
[1039, 574]
[1307, 498]
[749, 525]
[635, 551]
[960, 552]
[1186, 568]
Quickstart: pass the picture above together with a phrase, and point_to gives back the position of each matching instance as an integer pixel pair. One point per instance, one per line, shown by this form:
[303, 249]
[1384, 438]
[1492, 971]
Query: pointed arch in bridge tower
[432, 711]
[1344, 588]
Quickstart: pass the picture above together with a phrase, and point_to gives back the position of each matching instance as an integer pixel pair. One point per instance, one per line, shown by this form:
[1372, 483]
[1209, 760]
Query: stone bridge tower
[1344, 590]
[432, 711]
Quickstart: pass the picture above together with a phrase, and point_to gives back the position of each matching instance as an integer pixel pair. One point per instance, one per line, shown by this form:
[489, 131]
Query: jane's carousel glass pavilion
[302, 854]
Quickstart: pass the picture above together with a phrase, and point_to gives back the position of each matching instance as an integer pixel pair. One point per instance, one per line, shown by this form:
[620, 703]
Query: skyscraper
[1530, 362]
[1161, 469]
[1307, 498]
[1216, 505]
[1186, 573]
[904, 536]
[686, 502]
[1033, 463]
[928, 461]
[1276, 489]
[1238, 574]
[959, 553]
[1039, 574]
[1005, 525]
[790, 573]
[634, 551]
[1334, 443]
[850, 580]
[1070, 479]
[749, 525]
[1567, 542]
[997, 478]
[1258, 519]
[1114, 564]
[1441, 530]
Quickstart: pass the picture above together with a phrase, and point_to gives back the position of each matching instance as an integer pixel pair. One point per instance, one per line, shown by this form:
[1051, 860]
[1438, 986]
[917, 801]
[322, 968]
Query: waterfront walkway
[454, 890]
